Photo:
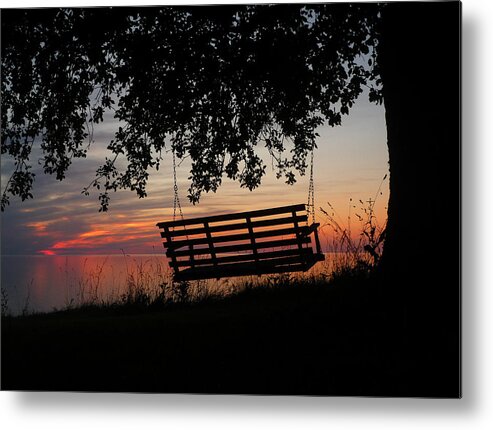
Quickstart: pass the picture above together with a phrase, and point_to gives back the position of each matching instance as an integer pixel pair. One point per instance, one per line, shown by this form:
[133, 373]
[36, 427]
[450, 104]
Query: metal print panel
[299, 162]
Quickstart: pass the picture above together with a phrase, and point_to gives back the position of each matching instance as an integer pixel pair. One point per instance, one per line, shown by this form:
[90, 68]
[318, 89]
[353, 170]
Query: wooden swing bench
[258, 242]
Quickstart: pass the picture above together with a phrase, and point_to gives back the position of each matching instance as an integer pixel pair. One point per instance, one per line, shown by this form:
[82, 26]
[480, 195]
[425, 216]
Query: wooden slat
[237, 270]
[252, 238]
[299, 235]
[210, 243]
[234, 237]
[243, 257]
[237, 248]
[234, 216]
[294, 259]
[236, 226]
[317, 240]
[192, 258]
[168, 240]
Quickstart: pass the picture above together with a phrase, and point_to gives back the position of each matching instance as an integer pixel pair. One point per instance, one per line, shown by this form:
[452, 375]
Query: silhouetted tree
[419, 59]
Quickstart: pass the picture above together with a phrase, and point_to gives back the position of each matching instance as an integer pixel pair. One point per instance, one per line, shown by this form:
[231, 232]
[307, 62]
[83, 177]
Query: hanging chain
[311, 193]
[176, 202]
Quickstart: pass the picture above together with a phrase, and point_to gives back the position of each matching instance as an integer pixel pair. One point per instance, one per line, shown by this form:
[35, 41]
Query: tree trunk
[420, 61]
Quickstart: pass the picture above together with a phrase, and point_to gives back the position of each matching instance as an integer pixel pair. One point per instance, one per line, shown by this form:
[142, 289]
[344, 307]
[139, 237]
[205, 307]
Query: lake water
[43, 283]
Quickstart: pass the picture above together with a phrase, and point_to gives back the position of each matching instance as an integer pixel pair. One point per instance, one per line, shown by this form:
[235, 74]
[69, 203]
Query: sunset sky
[350, 162]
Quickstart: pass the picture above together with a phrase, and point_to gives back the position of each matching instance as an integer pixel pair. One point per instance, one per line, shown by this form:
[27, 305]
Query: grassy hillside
[310, 338]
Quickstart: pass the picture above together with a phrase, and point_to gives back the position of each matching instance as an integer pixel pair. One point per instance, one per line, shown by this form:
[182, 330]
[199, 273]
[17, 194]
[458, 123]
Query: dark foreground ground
[313, 340]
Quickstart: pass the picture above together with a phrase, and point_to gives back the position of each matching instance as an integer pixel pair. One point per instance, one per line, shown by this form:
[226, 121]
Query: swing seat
[260, 242]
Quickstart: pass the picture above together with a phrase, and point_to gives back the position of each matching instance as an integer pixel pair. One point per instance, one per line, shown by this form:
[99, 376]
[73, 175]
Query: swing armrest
[311, 229]
[314, 229]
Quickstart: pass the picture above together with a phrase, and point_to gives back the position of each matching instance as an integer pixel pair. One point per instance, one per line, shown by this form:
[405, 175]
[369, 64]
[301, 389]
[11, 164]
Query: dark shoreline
[320, 339]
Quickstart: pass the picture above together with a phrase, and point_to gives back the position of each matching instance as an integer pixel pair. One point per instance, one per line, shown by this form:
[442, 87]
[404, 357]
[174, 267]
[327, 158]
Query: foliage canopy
[210, 83]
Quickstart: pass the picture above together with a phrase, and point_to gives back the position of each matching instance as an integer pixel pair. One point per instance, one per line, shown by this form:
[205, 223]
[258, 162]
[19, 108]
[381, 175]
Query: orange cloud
[94, 233]
[101, 237]
[39, 227]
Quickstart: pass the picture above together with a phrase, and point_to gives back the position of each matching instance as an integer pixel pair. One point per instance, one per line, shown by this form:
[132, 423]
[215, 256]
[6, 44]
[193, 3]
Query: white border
[129, 411]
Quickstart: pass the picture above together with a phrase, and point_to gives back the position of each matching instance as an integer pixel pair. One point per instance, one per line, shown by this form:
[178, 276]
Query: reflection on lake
[43, 283]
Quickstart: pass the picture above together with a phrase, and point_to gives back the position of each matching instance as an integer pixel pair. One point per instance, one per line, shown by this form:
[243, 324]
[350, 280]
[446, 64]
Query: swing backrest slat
[236, 226]
[234, 216]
